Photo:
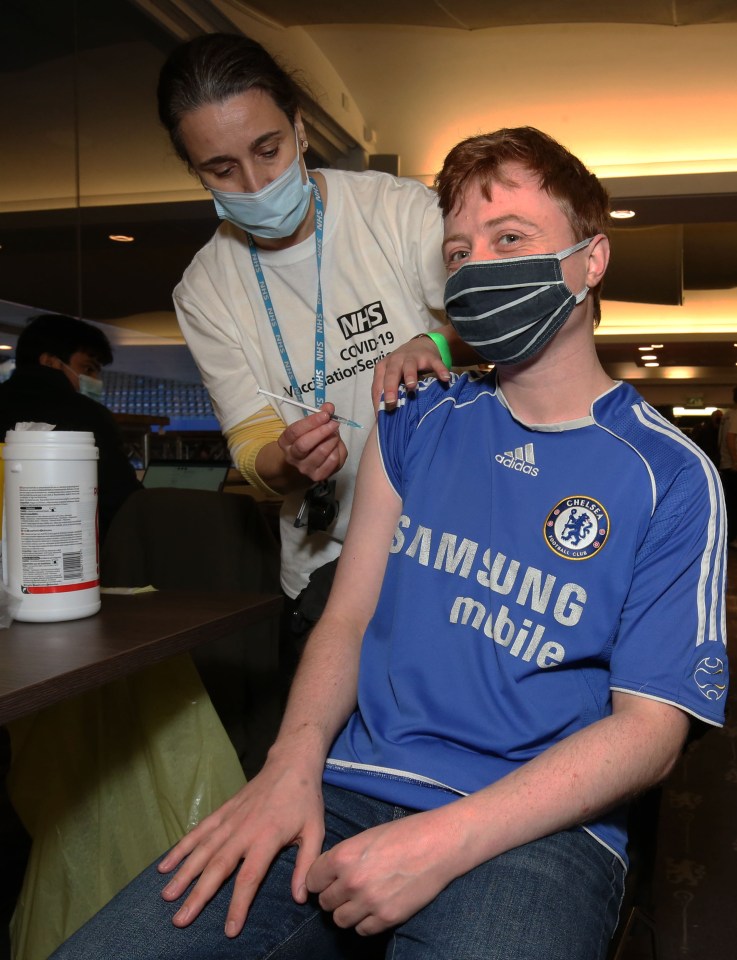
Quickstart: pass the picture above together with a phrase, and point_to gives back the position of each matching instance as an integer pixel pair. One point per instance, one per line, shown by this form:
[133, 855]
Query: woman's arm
[278, 459]
[308, 450]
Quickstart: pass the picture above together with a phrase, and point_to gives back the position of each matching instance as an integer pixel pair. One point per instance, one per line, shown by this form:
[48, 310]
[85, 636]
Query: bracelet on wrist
[442, 344]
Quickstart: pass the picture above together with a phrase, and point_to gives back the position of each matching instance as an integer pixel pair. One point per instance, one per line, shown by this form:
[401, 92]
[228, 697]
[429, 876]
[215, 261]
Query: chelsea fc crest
[576, 528]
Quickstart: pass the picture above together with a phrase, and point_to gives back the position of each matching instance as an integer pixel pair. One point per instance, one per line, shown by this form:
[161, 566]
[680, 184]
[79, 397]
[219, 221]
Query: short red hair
[564, 178]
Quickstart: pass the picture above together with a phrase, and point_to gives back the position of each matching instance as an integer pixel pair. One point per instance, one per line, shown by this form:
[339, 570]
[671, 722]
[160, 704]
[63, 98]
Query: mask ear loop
[576, 246]
[581, 296]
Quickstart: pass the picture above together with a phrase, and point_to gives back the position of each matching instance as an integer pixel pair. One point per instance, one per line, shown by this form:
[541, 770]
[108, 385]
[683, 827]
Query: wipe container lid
[50, 444]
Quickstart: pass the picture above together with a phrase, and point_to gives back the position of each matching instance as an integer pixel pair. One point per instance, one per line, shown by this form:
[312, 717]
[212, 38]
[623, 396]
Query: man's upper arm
[374, 515]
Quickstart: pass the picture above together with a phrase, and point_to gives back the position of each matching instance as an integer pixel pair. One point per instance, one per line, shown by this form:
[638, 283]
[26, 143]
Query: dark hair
[61, 336]
[214, 67]
[482, 160]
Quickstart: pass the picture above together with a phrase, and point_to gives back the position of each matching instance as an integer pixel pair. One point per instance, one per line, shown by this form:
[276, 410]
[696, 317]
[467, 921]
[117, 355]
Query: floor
[695, 872]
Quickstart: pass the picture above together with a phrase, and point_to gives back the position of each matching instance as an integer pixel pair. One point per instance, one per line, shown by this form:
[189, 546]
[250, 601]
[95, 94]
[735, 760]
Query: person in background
[706, 435]
[311, 280]
[728, 466]
[57, 380]
[527, 614]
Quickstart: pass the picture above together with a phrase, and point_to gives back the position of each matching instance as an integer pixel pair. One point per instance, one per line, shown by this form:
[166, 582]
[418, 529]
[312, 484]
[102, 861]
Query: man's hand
[279, 807]
[313, 447]
[403, 365]
[380, 878]
[383, 876]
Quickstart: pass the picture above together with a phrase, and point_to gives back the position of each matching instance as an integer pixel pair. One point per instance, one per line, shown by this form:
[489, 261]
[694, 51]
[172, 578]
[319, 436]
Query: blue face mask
[273, 212]
[90, 387]
[509, 309]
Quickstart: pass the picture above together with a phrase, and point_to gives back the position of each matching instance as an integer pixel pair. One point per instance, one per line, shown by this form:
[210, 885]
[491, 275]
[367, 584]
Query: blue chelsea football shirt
[534, 570]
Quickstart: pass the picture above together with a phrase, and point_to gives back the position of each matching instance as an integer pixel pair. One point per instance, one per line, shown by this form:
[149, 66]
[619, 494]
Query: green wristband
[442, 344]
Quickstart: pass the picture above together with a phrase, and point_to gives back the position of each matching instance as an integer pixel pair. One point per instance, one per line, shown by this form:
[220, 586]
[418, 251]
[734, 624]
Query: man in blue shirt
[527, 614]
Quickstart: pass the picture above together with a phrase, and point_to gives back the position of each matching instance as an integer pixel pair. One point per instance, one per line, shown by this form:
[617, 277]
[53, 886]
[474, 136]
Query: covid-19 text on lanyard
[319, 315]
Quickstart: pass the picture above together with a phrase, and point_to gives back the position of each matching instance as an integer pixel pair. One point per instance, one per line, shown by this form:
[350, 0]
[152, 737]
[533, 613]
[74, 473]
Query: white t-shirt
[382, 274]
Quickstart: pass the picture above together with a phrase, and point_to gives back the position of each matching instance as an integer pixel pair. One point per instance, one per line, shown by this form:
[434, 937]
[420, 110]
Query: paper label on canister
[58, 538]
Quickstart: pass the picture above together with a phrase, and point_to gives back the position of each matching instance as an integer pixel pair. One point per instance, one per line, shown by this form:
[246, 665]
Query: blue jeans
[554, 899]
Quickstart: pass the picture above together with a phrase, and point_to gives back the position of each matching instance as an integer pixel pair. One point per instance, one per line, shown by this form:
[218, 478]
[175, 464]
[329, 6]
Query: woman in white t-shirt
[312, 279]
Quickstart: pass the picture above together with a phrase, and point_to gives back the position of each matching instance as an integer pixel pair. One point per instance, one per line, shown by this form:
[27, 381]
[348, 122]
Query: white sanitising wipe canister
[50, 534]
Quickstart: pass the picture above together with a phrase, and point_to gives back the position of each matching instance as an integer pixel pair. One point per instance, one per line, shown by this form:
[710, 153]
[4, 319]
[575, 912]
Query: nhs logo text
[362, 320]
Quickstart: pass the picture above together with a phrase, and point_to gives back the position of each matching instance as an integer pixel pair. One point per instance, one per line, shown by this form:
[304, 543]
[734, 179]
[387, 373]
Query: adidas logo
[521, 459]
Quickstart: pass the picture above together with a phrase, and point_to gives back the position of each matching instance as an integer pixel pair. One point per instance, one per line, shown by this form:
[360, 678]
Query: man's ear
[598, 260]
[49, 360]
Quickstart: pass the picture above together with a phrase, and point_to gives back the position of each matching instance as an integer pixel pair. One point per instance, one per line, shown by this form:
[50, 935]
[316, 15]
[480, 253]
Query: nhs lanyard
[319, 315]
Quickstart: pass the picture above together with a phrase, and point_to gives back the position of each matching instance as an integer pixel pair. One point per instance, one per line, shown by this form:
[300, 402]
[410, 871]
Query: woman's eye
[508, 239]
[457, 255]
[269, 153]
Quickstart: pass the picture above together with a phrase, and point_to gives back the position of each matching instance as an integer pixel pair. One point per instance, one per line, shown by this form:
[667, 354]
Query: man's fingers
[308, 853]
[247, 881]
[214, 875]
[177, 853]
[191, 868]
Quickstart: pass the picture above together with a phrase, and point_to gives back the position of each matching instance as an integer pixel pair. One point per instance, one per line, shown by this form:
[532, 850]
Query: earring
[304, 144]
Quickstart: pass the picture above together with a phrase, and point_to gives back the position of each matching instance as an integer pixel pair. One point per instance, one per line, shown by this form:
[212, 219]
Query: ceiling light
[693, 411]
[621, 214]
[121, 238]
[5, 346]
[648, 356]
[645, 349]
[656, 346]
[652, 364]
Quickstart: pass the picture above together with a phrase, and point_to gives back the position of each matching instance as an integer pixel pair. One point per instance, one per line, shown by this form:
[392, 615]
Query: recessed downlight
[652, 363]
[622, 214]
[121, 238]
[648, 356]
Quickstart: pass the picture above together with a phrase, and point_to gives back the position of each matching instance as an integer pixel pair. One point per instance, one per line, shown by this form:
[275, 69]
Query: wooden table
[42, 663]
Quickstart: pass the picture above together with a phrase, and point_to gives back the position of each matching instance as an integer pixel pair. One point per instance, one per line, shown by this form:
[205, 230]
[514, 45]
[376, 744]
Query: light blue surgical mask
[90, 387]
[273, 212]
